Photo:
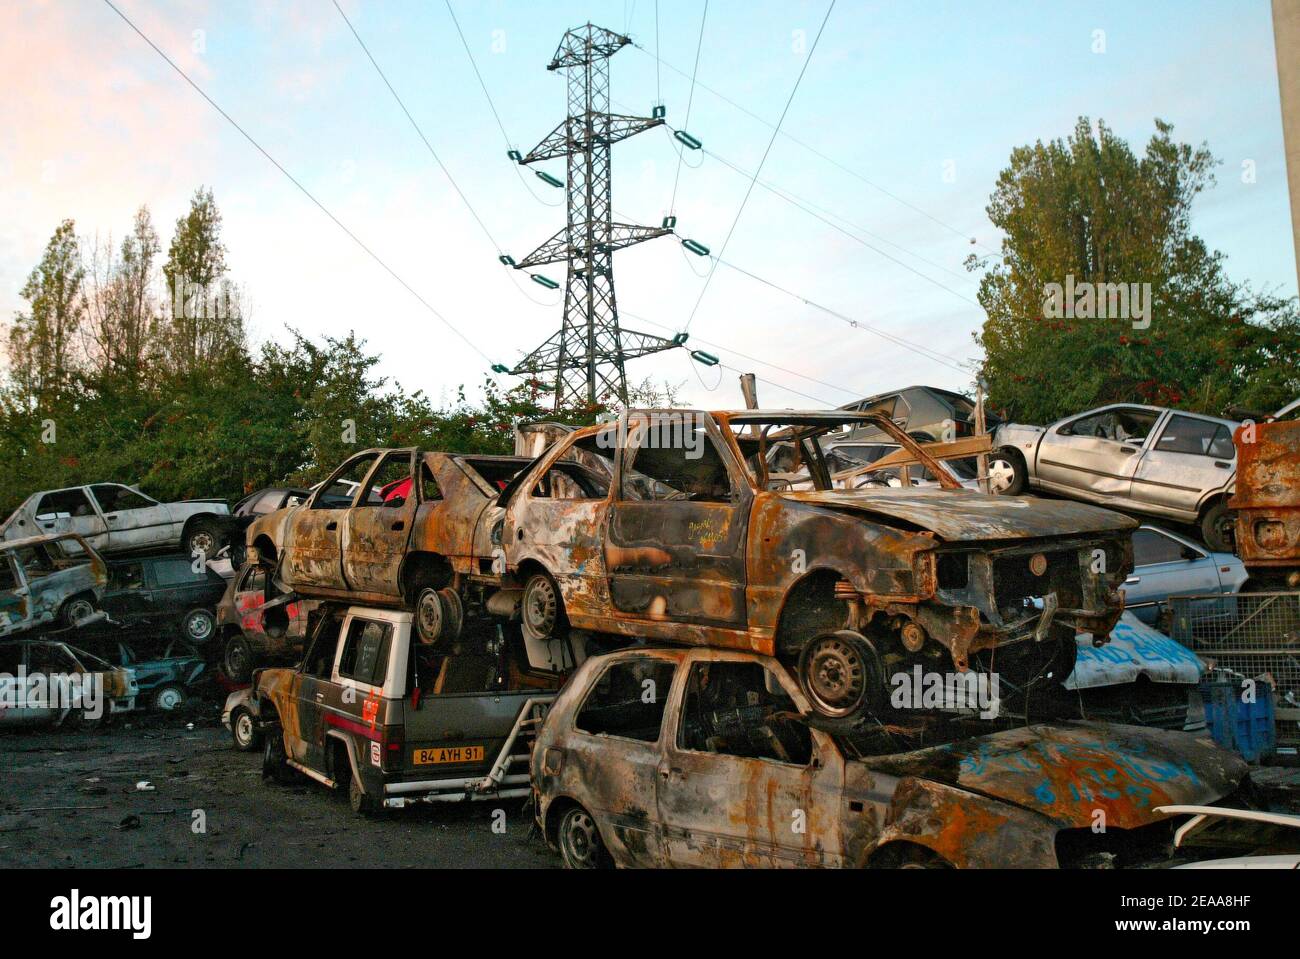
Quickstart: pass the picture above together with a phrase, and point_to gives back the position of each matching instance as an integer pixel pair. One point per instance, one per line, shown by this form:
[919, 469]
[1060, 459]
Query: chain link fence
[1247, 636]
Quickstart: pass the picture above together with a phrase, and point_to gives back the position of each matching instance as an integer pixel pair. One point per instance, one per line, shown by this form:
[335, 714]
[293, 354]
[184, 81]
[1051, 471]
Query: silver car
[114, 519]
[1143, 459]
[1166, 564]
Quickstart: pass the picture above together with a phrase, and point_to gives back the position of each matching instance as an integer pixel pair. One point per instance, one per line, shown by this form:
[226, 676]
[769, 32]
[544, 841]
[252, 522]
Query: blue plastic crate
[1246, 728]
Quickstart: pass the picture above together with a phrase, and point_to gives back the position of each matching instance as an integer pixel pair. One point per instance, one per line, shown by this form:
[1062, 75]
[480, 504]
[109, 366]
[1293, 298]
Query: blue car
[164, 682]
[1166, 564]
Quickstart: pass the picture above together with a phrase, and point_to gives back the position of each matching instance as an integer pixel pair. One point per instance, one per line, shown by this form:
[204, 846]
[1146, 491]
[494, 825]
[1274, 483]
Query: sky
[905, 115]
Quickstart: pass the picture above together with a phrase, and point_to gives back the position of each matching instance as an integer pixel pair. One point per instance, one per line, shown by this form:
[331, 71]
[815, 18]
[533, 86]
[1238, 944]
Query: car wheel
[238, 554]
[453, 612]
[244, 731]
[203, 538]
[840, 673]
[542, 609]
[77, 609]
[168, 698]
[1007, 472]
[361, 802]
[430, 616]
[1219, 527]
[275, 764]
[580, 844]
[239, 659]
[198, 625]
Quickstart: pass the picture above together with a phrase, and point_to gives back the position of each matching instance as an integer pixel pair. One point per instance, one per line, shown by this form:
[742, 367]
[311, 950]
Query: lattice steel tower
[588, 353]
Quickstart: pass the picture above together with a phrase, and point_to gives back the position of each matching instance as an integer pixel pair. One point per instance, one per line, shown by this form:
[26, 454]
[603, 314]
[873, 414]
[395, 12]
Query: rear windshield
[496, 473]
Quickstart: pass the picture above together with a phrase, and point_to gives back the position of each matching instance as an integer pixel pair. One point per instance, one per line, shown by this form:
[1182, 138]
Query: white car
[1140, 459]
[116, 519]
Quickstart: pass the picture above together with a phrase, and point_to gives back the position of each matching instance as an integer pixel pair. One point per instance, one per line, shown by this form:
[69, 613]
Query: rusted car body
[257, 624]
[394, 527]
[719, 768]
[1267, 501]
[55, 580]
[699, 549]
[47, 682]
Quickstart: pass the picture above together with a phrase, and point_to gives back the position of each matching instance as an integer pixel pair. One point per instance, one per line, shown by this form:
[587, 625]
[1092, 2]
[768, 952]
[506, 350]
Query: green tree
[1087, 211]
[41, 341]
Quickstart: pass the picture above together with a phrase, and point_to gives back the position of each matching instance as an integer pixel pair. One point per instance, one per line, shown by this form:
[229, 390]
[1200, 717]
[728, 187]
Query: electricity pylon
[588, 353]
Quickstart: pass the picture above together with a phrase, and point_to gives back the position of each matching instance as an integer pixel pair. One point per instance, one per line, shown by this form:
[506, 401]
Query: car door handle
[1223, 466]
[400, 524]
[1133, 579]
[671, 773]
[320, 697]
[331, 525]
[110, 516]
[1127, 450]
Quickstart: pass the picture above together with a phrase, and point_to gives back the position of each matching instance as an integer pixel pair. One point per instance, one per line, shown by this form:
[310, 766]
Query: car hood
[1067, 771]
[1135, 649]
[962, 515]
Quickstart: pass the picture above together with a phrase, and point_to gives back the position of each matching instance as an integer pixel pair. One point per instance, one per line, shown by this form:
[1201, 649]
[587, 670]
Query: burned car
[46, 682]
[389, 720]
[116, 519]
[49, 582]
[699, 757]
[258, 624]
[690, 545]
[393, 527]
[1267, 499]
[163, 595]
[1144, 459]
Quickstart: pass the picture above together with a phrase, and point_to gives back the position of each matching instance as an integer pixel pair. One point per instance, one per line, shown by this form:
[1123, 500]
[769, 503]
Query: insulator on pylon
[686, 140]
[547, 178]
[546, 281]
[699, 249]
[708, 359]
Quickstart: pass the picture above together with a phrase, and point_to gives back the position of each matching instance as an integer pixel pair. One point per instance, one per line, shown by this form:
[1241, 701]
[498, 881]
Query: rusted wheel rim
[169, 698]
[580, 841]
[237, 659]
[1001, 475]
[429, 615]
[540, 606]
[79, 609]
[202, 542]
[836, 675]
[198, 626]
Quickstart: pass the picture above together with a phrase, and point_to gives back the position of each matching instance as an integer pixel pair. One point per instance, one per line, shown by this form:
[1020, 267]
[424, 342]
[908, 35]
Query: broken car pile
[736, 638]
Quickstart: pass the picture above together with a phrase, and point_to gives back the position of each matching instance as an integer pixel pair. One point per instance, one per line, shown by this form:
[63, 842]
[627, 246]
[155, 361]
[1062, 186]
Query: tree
[121, 305]
[41, 356]
[204, 309]
[1091, 230]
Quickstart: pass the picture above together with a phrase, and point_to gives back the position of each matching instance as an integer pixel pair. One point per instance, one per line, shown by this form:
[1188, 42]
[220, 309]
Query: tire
[239, 658]
[243, 730]
[430, 616]
[238, 554]
[1008, 474]
[168, 698]
[77, 609]
[541, 611]
[841, 674]
[204, 536]
[198, 626]
[1218, 527]
[454, 612]
[361, 802]
[579, 839]
[275, 764]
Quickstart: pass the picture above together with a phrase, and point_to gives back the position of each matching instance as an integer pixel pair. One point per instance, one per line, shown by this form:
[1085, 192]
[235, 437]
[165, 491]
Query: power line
[818, 153]
[307, 193]
[923, 351]
[491, 105]
[752, 359]
[777, 129]
[690, 99]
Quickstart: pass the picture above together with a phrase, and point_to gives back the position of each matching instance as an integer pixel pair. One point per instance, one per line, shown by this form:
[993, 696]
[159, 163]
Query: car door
[378, 526]
[129, 598]
[1096, 453]
[618, 730]
[557, 517]
[313, 687]
[739, 784]
[1190, 457]
[1165, 565]
[675, 546]
[71, 511]
[134, 520]
[312, 551]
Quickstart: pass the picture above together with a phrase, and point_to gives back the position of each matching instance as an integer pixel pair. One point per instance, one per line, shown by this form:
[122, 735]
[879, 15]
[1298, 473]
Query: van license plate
[448, 754]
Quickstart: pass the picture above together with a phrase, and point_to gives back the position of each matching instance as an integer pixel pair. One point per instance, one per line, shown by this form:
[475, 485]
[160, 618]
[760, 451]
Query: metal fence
[1250, 635]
